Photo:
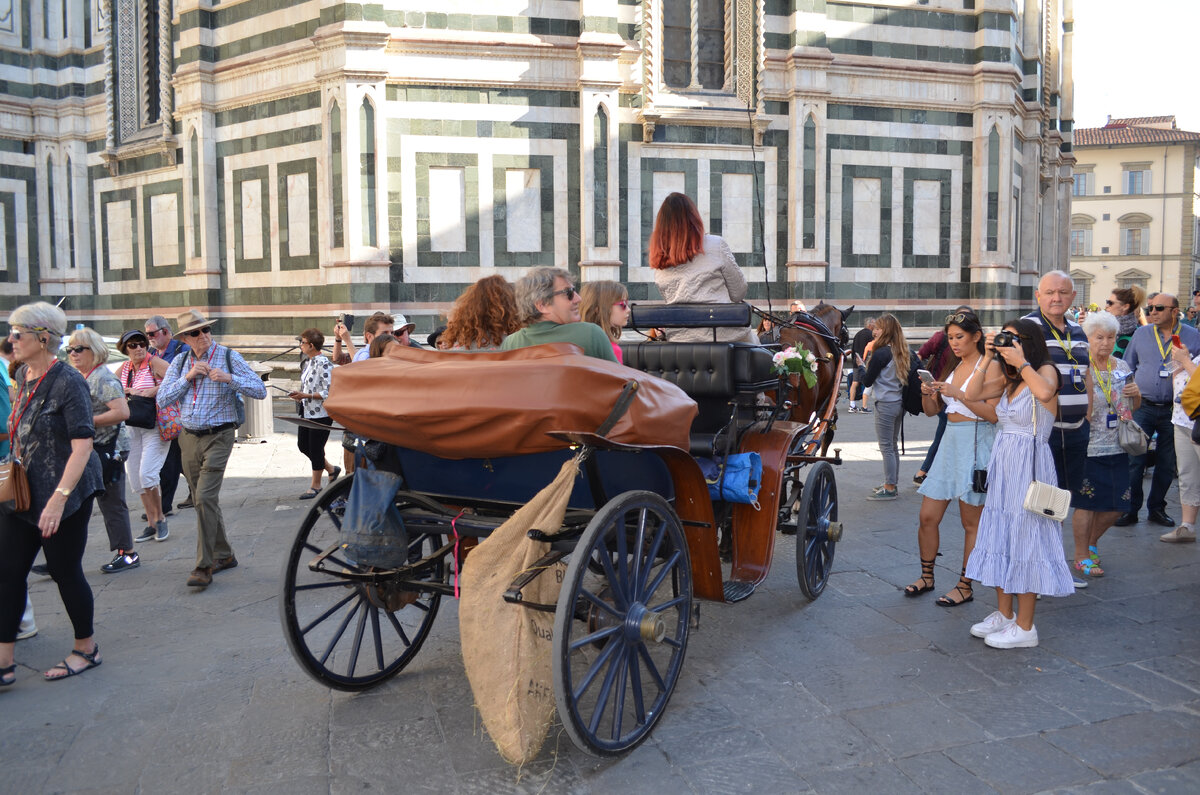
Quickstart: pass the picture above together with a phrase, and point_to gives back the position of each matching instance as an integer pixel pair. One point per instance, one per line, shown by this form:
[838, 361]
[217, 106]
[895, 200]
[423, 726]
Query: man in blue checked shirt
[206, 380]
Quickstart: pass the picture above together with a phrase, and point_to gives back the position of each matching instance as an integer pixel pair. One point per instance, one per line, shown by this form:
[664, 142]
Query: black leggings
[19, 543]
[312, 442]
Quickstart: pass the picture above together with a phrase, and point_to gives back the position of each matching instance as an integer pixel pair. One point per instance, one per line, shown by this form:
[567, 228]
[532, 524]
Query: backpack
[911, 397]
[239, 404]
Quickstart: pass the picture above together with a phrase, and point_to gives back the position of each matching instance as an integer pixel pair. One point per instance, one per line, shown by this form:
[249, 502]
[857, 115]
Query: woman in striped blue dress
[1017, 552]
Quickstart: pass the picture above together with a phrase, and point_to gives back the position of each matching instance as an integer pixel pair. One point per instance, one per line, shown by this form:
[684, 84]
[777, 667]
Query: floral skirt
[1105, 484]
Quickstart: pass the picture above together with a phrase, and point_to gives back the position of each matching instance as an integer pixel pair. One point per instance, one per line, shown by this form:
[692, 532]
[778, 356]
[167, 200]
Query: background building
[277, 161]
[1133, 213]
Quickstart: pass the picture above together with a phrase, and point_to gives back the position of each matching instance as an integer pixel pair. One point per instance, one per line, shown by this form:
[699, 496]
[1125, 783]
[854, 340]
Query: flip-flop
[92, 662]
[308, 495]
[12, 669]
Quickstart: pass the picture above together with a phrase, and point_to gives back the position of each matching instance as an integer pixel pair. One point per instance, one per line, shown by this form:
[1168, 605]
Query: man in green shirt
[549, 306]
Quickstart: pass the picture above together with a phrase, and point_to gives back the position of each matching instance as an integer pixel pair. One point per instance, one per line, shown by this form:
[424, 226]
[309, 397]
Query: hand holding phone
[925, 376]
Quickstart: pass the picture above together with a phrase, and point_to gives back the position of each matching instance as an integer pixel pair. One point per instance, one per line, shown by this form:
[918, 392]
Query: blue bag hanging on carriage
[375, 532]
[738, 479]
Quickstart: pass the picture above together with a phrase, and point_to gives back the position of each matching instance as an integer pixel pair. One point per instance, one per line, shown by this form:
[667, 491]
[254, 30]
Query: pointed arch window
[139, 60]
[367, 153]
[336, 209]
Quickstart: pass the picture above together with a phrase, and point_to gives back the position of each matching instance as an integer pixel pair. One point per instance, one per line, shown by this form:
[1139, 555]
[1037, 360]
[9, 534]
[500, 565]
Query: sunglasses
[15, 334]
[957, 317]
[160, 330]
[199, 331]
[622, 304]
[130, 344]
[1109, 302]
[79, 349]
[1158, 308]
[568, 292]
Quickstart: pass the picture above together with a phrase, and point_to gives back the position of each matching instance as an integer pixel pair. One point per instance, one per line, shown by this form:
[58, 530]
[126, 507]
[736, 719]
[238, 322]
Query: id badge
[1164, 373]
[1076, 377]
[1112, 421]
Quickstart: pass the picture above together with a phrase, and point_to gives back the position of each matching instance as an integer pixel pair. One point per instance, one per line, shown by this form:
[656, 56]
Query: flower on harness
[797, 360]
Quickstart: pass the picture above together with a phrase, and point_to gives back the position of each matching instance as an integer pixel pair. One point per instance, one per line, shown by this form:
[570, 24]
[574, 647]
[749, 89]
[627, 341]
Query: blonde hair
[891, 335]
[596, 306]
[88, 337]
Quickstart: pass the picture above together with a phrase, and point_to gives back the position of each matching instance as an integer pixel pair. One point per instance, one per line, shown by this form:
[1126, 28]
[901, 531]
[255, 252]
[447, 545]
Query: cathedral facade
[275, 162]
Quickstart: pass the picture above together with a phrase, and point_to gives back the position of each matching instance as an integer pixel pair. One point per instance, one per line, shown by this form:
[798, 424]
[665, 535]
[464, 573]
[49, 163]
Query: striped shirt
[205, 403]
[1069, 352]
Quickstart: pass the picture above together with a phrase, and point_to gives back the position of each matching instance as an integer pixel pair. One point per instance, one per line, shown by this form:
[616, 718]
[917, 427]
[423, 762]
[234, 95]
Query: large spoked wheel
[621, 627]
[345, 634]
[818, 530]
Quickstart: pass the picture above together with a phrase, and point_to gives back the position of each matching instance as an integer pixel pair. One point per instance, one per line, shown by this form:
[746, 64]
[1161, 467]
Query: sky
[1137, 58]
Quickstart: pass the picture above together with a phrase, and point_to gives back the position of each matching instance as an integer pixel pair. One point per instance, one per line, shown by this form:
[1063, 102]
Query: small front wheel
[621, 626]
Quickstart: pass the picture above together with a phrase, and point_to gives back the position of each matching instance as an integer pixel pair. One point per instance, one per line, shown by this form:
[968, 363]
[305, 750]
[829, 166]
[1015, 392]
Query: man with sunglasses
[206, 381]
[549, 306]
[1149, 356]
[165, 346]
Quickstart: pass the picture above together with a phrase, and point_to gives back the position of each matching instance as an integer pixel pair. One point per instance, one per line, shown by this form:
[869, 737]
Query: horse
[822, 330]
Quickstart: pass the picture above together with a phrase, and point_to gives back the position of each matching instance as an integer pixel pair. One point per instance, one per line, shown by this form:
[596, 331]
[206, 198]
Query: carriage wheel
[818, 529]
[348, 635]
[620, 636]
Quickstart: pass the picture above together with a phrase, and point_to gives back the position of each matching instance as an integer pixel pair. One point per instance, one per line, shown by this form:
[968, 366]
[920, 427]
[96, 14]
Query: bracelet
[1022, 367]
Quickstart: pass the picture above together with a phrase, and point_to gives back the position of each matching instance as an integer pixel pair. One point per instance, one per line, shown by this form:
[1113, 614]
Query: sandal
[968, 595]
[7, 672]
[335, 474]
[1089, 568]
[1094, 554]
[92, 662]
[926, 581]
[308, 495]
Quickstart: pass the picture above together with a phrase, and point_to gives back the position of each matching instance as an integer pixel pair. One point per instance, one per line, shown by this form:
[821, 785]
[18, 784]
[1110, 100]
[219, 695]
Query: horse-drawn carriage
[638, 539]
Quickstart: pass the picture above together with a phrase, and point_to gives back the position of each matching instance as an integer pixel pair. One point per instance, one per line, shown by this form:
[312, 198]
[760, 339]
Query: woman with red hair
[692, 267]
[482, 316]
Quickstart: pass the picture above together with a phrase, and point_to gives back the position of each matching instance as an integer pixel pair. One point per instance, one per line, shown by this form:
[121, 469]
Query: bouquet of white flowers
[797, 360]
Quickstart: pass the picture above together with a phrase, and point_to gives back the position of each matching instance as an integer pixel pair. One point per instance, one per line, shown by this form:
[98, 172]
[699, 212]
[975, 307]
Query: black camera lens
[1004, 339]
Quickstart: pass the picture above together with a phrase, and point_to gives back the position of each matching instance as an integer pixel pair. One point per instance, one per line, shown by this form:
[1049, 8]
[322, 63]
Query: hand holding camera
[1006, 345]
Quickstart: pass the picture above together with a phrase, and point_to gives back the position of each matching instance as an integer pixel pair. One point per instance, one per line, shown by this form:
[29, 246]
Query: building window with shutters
[1134, 235]
[1084, 184]
[1135, 177]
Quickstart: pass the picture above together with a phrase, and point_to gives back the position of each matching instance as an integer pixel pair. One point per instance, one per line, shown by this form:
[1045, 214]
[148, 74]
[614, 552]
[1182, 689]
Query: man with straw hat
[208, 381]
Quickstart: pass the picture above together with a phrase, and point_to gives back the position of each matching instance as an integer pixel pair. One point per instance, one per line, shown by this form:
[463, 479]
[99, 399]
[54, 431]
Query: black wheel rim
[613, 675]
[815, 513]
[348, 635]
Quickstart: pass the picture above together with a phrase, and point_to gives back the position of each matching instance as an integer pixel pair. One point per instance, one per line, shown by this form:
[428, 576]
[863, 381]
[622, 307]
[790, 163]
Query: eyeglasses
[79, 349]
[1158, 308]
[199, 331]
[568, 292]
[134, 344]
[957, 317]
[622, 304]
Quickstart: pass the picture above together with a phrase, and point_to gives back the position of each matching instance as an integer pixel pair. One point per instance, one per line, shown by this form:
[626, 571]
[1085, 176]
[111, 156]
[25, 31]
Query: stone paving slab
[863, 690]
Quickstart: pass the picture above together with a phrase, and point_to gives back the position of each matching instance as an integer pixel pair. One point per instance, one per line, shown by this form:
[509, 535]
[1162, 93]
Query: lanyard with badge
[1108, 382]
[1075, 368]
[1164, 350]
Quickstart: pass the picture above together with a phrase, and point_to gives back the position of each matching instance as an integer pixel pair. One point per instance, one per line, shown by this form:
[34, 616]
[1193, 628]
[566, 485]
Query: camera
[1005, 339]
[347, 321]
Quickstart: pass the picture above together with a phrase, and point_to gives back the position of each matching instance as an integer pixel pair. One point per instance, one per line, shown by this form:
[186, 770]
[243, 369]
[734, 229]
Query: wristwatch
[64, 492]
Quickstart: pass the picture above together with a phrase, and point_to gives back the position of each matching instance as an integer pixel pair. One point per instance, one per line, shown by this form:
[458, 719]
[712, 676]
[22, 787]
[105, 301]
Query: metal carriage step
[737, 590]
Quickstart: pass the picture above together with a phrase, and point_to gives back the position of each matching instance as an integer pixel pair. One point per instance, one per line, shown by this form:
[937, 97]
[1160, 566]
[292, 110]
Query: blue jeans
[1153, 419]
[937, 441]
[889, 416]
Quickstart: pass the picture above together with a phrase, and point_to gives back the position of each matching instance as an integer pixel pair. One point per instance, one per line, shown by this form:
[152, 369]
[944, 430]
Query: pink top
[143, 378]
[617, 351]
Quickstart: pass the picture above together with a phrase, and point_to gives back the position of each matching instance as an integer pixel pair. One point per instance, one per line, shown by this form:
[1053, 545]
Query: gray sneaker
[882, 494]
[161, 532]
[146, 534]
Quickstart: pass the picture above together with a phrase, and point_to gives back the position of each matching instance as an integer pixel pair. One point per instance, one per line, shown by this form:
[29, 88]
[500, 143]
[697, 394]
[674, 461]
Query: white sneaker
[993, 623]
[26, 630]
[1013, 637]
[1180, 535]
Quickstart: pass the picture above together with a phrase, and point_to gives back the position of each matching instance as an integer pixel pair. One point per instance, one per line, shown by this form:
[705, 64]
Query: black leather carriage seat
[655, 315]
[712, 374]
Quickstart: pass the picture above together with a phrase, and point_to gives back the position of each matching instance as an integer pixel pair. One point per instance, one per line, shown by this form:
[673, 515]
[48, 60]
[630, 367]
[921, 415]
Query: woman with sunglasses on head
[606, 304]
[88, 354]
[1018, 552]
[1125, 304]
[965, 448]
[52, 431]
[141, 377]
[692, 267]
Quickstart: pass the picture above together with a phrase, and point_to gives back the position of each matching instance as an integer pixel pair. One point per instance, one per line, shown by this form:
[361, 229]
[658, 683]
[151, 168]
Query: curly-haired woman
[482, 316]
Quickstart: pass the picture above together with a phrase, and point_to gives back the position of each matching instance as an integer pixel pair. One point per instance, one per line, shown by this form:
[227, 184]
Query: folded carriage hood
[483, 405]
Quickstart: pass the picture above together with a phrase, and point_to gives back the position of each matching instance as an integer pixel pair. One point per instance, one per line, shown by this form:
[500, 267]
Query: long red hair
[678, 234]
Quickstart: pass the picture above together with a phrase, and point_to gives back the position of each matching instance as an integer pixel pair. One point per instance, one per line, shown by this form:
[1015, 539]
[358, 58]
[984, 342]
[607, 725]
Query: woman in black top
[52, 434]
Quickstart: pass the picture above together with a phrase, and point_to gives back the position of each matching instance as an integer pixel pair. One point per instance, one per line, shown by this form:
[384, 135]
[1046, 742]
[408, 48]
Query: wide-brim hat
[190, 321]
[132, 334]
[403, 325]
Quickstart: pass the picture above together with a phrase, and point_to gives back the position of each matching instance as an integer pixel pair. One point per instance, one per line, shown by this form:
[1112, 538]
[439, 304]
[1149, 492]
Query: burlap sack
[507, 648]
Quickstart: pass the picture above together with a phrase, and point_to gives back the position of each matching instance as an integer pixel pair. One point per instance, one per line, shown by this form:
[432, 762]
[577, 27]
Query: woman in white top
[966, 446]
[692, 267]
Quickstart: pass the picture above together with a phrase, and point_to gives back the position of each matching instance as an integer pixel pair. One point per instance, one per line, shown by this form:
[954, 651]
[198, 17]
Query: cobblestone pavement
[861, 691]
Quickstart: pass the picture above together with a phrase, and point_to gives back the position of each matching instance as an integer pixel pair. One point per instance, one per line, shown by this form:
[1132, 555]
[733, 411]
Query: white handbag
[1042, 498]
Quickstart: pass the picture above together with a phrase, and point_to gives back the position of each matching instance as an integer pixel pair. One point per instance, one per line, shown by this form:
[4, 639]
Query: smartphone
[925, 376]
[281, 389]
[1175, 341]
